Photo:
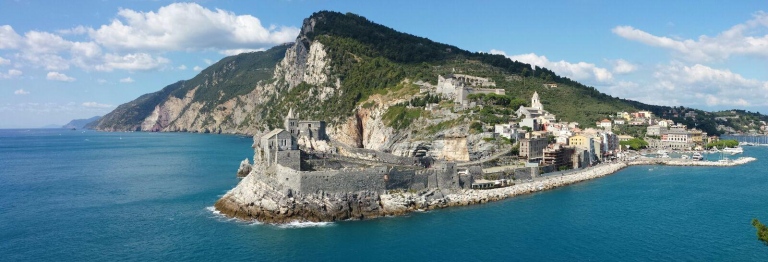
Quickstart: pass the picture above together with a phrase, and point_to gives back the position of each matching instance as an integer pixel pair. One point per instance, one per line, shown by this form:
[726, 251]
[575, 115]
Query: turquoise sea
[90, 196]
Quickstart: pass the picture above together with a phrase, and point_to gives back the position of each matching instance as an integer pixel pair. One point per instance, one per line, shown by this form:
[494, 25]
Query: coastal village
[299, 170]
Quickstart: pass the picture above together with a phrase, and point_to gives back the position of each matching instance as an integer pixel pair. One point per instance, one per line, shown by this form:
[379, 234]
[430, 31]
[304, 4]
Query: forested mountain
[360, 77]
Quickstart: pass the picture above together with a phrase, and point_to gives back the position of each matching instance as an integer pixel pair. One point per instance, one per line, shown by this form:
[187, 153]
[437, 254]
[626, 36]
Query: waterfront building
[532, 148]
[559, 156]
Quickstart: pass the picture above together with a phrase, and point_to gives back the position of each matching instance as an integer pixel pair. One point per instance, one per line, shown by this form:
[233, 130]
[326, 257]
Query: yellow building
[578, 141]
[697, 136]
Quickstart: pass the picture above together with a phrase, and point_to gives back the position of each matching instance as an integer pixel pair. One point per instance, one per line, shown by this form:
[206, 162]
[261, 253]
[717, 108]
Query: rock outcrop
[245, 168]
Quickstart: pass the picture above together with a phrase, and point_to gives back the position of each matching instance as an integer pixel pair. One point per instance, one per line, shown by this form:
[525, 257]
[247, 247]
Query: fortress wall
[288, 177]
[465, 181]
[346, 180]
[445, 176]
[407, 179]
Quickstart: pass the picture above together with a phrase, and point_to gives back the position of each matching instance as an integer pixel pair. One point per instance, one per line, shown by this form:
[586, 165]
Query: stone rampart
[345, 180]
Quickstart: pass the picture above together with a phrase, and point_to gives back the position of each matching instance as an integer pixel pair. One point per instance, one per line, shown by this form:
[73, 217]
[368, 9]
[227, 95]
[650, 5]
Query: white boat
[685, 157]
[733, 150]
[697, 156]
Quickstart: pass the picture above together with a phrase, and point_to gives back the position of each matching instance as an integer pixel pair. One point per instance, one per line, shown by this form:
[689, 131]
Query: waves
[295, 224]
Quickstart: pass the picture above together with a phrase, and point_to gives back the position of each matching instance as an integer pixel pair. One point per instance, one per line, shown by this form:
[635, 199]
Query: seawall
[689, 162]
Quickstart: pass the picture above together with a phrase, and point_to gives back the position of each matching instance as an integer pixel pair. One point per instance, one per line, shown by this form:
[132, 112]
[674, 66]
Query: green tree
[762, 231]
[476, 127]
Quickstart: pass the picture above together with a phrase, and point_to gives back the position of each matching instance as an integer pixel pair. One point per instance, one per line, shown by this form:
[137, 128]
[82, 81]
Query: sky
[64, 60]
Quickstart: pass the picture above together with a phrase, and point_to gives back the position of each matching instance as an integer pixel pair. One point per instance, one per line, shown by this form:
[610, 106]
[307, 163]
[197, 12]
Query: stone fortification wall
[443, 176]
[374, 179]
[288, 177]
[345, 180]
[408, 179]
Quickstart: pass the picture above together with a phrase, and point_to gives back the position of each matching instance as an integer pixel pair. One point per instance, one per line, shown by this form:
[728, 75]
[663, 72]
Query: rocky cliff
[251, 92]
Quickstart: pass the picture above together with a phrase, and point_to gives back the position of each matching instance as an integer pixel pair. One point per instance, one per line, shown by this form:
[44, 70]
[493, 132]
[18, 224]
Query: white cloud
[126, 80]
[12, 73]
[86, 55]
[580, 71]
[197, 68]
[101, 81]
[132, 62]
[208, 61]
[621, 66]
[44, 42]
[96, 105]
[699, 85]
[735, 41]
[182, 67]
[137, 40]
[59, 77]
[21, 92]
[47, 61]
[78, 30]
[230, 52]
[9, 39]
[187, 26]
[4, 61]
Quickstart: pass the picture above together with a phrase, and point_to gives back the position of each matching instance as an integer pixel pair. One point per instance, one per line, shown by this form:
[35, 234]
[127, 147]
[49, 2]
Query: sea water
[92, 196]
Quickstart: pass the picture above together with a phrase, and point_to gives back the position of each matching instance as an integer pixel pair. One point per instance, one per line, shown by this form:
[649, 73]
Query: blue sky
[61, 60]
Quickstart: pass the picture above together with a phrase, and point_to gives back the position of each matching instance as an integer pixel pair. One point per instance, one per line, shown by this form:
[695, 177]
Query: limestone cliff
[251, 93]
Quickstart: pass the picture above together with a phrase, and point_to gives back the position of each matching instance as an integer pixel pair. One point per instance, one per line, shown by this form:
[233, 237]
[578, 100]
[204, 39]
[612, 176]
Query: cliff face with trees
[360, 77]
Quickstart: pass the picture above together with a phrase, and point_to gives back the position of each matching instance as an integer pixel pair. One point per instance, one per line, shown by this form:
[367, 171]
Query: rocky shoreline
[253, 199]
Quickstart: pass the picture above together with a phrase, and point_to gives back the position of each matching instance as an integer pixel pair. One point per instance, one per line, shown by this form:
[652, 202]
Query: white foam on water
[254, 223]
[213, 210]
[218, 215]
[297, 224]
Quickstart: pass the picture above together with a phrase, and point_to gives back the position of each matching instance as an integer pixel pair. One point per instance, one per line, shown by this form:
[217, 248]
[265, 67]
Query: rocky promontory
[252, 199]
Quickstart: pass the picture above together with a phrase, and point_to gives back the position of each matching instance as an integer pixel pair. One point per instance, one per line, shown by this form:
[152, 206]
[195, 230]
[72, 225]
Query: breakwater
[252, 199]
[689, 162]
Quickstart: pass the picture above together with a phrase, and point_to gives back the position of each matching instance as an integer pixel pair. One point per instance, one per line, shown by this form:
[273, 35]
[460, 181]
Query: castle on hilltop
[458, 87]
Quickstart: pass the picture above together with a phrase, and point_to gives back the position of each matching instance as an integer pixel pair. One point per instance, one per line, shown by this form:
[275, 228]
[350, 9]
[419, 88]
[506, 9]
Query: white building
[534, 115]
[509, 131]
[605, 124]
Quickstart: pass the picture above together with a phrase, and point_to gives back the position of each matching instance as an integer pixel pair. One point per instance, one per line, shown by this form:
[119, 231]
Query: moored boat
[733, 150]
[697, 156]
